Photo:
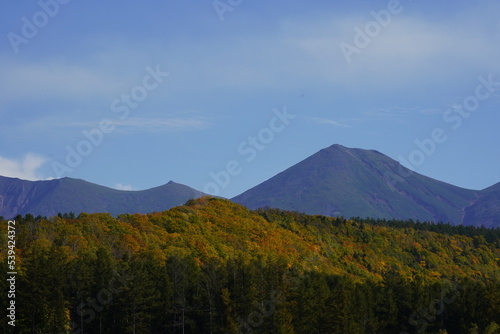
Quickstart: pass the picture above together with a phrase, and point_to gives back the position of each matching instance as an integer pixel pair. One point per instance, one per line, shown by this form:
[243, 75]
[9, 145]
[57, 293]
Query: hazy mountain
[486, 210]
[47, 198]
[355, 182]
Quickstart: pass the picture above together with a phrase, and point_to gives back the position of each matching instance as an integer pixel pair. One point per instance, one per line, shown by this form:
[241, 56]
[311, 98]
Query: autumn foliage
[212, 266]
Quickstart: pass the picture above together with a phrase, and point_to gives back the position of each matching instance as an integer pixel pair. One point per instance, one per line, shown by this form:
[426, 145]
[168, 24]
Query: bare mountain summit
[350, 182]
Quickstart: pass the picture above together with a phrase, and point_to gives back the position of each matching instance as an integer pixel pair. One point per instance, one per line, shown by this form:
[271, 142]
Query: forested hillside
[212, 266]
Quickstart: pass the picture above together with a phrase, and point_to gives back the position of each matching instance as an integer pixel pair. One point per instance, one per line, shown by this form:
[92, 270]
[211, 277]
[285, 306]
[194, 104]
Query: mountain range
[336, 181]
[48, 198]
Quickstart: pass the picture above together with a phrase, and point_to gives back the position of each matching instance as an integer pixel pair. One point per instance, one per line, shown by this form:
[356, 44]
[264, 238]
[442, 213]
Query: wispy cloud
[395, 112]
[387, 112]
[408, 50]
[128, 126]
[25, 168]
[320, 120]
[56, 80]
[160, 124]
[431, 111]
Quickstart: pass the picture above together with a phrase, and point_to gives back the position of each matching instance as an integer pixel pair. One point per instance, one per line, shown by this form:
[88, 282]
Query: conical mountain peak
[349, 182]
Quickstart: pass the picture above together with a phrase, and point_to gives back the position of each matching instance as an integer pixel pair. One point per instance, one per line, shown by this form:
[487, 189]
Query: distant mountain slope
[47, 198]
[355, 182]
[486, 210]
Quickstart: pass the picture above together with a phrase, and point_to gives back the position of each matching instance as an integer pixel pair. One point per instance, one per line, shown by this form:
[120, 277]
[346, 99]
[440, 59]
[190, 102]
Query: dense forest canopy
[212, 266]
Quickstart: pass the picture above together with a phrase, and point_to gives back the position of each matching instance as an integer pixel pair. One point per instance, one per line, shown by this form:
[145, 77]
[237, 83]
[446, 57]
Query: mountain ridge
[335, 181]
[50, 197]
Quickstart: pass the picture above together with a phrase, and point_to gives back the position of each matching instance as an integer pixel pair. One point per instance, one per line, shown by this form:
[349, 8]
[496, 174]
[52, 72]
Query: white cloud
[121, 186]
[25, 168]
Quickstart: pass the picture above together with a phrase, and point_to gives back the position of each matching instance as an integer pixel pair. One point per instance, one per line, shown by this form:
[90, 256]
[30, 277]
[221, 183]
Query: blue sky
[252, 88]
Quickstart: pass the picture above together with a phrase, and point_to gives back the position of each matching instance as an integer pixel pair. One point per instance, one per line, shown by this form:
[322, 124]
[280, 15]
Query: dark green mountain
[48, 198]
[340, 181]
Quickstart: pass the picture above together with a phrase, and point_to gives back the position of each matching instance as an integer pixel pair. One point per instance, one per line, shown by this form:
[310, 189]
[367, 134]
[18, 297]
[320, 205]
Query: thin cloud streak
[131, 125]
[320, 120]
[160, 125]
